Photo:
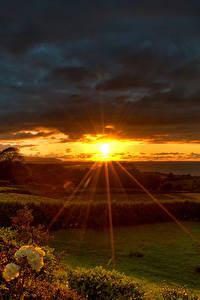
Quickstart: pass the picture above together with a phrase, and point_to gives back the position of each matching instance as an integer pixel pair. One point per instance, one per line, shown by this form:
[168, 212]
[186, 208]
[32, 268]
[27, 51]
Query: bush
[176, 293]
[98, 283]
[28, 267]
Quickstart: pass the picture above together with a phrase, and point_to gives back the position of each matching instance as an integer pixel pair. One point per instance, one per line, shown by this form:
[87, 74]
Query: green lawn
[169, 254]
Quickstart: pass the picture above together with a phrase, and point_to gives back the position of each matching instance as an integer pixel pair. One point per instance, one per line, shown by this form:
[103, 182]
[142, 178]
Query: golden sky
[48, 142]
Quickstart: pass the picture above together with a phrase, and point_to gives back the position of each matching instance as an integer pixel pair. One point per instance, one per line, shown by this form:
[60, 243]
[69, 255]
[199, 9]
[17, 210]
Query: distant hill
[42, 160]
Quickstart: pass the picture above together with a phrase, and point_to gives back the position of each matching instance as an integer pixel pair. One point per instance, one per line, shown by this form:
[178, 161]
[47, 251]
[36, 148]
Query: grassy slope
[169, 254]
[8, 194]
[10, 197]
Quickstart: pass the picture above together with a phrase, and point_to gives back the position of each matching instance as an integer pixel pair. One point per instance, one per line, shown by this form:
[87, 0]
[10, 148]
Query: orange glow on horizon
[51, 143]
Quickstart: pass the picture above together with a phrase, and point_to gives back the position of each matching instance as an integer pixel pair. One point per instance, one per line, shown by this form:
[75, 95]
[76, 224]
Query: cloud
[23, 135]
[73, 74]
[78, 66]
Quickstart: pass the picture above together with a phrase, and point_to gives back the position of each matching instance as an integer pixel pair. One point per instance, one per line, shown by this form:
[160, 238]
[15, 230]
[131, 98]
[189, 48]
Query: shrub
[98, 283]
[176, 293]
[28, 267]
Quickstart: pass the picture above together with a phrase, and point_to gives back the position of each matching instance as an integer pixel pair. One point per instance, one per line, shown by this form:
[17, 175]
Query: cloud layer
[76, 65]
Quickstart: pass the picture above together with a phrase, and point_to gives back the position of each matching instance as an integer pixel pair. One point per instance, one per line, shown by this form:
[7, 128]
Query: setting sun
[105, 149]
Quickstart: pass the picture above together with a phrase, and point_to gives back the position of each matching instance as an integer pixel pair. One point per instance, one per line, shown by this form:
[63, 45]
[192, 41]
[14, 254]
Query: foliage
[99, 284]
[10, 154]
[176, 293]
[11, 166]
[30, 283]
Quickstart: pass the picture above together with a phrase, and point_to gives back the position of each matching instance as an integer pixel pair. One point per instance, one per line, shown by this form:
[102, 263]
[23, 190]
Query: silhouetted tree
[10, 154]
[10, 159]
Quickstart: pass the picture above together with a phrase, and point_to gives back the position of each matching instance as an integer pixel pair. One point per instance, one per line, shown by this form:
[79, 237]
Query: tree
[10, 163]
[10, 155]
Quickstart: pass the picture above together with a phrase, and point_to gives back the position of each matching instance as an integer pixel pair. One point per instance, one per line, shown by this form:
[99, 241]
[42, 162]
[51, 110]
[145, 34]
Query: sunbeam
[118, 179]
[72, 195]
[91, 198]
[110, 214]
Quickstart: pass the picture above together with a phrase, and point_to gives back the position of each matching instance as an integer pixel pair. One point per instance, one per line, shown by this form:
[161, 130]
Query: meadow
[157, 253]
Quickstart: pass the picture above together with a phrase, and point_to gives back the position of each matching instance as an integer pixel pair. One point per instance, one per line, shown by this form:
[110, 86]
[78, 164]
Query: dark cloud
[129, 81]
[79, 76]
[25, 135]
[78, 66]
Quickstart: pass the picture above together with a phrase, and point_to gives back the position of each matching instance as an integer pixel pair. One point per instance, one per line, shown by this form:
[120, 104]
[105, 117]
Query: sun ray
[84, 187]
[91, 198]
[72, 195]
[161, 205]
[118, 179]
[110, 214]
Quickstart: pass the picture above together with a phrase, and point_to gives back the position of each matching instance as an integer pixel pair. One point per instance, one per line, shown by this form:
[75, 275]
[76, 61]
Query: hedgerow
[124, 213]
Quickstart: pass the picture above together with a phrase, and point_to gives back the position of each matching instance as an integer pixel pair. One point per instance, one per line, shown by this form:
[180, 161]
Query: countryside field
[157, 254]
[130, 209]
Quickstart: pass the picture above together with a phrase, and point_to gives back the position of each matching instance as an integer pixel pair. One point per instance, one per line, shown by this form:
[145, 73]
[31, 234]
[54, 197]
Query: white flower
[34, 256]
[11, 271]
[37, 264]
[35, 260]
[40, 251]
[22, 252]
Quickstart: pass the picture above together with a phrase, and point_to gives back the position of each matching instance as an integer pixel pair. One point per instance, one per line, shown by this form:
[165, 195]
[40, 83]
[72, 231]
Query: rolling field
[157, 253]
[14, 194]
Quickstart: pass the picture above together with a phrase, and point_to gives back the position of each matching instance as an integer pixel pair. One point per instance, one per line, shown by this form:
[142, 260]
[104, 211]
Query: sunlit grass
[168, 254]
[25, 199]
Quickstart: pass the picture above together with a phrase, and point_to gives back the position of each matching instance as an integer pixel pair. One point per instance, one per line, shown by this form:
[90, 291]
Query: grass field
[156, 253]
[24, 199]
[15, 194]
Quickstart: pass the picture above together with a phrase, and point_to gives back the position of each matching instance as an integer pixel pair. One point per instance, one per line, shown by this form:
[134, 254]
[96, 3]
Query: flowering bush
[28, 268]
[176, 293]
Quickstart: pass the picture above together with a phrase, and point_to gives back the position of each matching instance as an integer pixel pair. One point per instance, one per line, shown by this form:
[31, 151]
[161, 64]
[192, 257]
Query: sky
[76, 74]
